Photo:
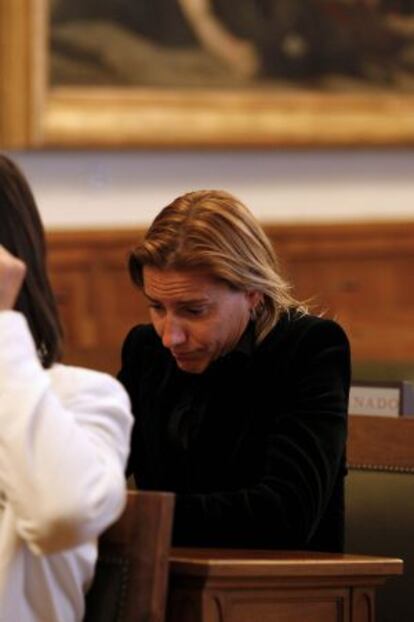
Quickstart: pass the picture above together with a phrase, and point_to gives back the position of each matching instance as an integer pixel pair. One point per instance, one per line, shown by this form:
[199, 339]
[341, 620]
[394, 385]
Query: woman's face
[198, 318]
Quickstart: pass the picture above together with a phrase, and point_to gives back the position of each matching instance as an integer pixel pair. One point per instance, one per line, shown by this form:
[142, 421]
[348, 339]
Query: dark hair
[22, 234]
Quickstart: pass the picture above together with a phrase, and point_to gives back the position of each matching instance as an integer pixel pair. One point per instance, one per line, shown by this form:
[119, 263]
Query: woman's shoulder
[306, 321]
[141, 334]
[301, 341]
[69, 381]
[139, 339]
[296, 327]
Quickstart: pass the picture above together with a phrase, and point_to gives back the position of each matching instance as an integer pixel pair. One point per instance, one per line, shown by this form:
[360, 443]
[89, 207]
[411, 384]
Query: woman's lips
[185, 356]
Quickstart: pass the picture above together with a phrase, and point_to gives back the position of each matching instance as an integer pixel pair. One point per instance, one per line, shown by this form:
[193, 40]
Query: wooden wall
[361, 274]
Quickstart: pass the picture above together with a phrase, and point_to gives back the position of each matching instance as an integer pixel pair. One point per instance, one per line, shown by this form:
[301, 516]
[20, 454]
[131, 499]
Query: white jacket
[64, 438]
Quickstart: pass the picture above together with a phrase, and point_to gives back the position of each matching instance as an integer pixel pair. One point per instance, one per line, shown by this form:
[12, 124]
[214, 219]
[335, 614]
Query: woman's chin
[192, 365]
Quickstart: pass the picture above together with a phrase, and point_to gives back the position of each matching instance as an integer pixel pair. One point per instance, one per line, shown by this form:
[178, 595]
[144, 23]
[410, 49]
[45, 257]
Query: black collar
[246, 343]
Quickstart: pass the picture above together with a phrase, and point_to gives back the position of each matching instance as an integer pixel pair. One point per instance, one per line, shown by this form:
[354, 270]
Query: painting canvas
[220, 72]
[328, 45]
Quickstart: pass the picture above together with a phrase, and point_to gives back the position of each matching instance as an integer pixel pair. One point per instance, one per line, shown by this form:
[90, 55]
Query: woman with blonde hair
[239, 394]
[64, 433]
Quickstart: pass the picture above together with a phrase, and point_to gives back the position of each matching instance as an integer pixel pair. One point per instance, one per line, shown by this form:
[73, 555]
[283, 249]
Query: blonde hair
[213, 232]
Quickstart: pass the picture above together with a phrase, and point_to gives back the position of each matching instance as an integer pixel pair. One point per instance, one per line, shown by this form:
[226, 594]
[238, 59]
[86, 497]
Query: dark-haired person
[240, 396]
[64, 434]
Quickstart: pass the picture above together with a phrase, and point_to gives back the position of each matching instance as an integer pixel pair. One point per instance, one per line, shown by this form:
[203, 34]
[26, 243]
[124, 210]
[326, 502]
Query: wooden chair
[130, 583]
[380, 504]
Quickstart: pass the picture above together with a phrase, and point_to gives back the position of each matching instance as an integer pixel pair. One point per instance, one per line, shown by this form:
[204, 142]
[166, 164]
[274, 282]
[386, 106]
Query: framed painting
[206, 73]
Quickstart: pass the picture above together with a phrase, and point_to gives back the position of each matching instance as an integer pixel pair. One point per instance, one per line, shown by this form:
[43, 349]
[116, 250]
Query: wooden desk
[261, 586]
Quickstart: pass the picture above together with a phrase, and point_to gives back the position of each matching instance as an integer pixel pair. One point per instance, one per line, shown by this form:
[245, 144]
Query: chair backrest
[130, 583]
[380, 504]
[380, 521]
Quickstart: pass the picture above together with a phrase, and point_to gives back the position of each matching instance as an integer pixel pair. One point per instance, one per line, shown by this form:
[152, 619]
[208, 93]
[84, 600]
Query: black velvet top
[254, 447]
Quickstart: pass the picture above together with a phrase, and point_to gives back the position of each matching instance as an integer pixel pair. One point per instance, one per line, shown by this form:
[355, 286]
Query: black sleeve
[304, 456]
[128, 375]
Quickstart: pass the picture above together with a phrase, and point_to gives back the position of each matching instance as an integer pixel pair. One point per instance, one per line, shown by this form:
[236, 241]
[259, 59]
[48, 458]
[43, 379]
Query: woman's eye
[195, 310]
[154, 306]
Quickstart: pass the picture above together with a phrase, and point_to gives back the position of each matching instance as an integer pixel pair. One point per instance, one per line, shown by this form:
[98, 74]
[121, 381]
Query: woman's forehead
[179, 284]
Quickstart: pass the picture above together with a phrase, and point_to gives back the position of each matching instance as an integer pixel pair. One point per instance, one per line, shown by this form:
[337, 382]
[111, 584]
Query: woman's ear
[255, 298]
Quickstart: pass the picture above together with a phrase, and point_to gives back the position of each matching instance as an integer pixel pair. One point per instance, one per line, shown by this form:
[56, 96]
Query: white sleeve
[64, 439]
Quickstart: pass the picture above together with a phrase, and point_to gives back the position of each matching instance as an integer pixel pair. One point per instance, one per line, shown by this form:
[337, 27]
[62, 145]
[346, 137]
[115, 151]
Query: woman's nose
[173, 333]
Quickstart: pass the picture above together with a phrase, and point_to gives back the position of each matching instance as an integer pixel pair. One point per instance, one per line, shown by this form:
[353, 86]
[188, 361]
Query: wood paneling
[360, 274]
[97, 301]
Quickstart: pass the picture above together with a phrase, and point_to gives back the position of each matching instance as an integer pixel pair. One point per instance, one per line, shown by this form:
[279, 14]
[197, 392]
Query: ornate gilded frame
[34, 115]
